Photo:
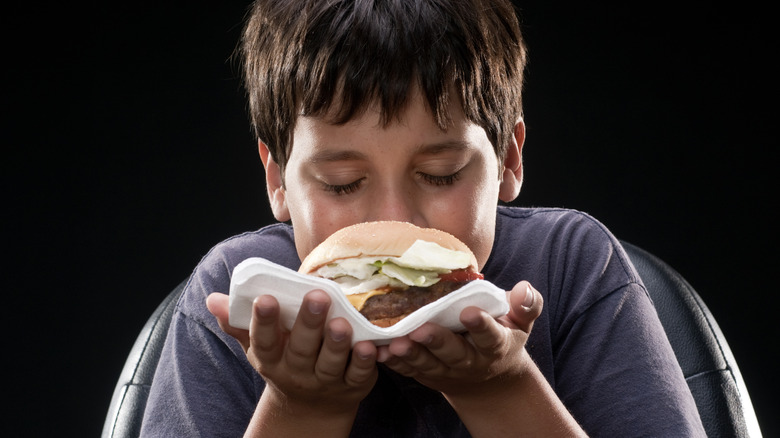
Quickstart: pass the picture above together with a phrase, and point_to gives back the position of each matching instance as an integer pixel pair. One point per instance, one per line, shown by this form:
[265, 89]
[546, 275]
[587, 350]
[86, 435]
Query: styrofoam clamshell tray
[256, 276]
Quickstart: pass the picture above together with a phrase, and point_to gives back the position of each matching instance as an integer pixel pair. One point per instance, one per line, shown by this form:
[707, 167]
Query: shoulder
[562, 244]
[273, 242]
[214, 271]
[550, 221]
[550, 229]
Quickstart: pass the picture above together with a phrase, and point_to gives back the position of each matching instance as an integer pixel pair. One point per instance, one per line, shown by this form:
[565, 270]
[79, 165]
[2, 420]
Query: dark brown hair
[336, 57]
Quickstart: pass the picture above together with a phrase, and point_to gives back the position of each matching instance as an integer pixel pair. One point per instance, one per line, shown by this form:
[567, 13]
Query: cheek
[483, 222]
[314, 218]
[302, 209]
[470, 215]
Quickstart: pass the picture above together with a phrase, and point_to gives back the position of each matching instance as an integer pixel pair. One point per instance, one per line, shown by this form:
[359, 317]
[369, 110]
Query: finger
[218, 304]
[265, 331]
[486, 334]
[392, 361]
[450, 348]
[383, 354]
[332, 360]
[398, 365]
[415, 357]
[400, 347]
[308, 328]
[362, 366]
[525, 305]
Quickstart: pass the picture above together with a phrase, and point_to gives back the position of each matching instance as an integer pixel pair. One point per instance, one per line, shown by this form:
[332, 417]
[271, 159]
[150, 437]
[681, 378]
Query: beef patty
[401, 302]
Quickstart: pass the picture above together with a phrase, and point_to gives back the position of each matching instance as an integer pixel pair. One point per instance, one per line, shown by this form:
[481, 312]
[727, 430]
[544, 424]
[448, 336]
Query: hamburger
[389, 269]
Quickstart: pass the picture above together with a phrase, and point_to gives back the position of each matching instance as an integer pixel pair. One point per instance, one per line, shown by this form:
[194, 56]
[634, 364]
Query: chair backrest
[701, 349]
[129, 400]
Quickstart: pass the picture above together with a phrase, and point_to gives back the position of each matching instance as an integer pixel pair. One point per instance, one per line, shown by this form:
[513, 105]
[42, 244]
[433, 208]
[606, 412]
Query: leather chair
[704, 355]
[701, 349]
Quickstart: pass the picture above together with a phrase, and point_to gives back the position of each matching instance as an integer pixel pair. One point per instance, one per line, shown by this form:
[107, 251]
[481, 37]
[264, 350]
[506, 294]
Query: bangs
[374, 53]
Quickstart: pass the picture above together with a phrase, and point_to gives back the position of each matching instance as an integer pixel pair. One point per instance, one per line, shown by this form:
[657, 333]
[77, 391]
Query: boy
[410, 110]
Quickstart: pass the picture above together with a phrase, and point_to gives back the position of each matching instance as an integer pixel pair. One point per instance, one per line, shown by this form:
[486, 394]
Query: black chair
[129, 400]
[702, 351]
[704, 355]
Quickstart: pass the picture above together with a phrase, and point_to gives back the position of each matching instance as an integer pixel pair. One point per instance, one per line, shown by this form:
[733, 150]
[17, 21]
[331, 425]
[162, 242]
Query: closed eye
[344, 189]
[440, 180]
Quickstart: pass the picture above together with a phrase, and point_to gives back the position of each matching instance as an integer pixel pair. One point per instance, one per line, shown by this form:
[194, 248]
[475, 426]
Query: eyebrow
[446, 146]
[330, 156]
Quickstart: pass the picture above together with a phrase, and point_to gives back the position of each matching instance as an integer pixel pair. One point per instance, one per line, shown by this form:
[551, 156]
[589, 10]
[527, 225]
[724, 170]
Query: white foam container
[256, 276]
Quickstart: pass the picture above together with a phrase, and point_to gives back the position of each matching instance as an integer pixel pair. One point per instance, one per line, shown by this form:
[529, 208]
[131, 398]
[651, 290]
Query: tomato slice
[461, 276]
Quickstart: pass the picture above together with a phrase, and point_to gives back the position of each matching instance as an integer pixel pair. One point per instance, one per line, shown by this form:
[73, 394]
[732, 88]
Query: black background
[130, 155]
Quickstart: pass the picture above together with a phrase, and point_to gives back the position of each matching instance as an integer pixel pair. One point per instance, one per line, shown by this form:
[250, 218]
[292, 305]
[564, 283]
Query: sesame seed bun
[383, 238]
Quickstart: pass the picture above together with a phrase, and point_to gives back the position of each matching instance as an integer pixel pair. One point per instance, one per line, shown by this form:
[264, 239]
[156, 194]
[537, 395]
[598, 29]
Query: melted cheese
[359, 300]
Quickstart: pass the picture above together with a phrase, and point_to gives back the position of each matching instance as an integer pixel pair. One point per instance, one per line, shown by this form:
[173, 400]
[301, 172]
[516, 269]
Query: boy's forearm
[522, 405]
[274, 417]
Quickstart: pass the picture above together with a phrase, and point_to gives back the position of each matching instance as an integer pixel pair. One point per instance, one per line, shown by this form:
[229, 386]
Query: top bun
[381, 239]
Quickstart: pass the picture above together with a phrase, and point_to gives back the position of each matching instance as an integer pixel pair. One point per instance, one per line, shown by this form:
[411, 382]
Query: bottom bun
[387, 322]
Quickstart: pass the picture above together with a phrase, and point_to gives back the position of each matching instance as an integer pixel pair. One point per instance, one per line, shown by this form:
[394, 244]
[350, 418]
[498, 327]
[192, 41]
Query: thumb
[525, 305]
[218, 304]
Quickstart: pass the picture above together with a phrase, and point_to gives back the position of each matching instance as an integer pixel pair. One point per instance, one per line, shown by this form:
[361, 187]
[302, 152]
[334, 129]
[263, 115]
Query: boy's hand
[466, 365]
[310, 370]
[486, 374]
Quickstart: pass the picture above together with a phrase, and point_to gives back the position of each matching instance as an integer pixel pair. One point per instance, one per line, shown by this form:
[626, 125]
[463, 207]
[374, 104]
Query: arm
[487, 376]
[203, 384]
[315, 381]
[617, 373]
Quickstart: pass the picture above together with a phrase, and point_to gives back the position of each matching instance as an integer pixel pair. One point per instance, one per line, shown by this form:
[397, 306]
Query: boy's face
[339, 175]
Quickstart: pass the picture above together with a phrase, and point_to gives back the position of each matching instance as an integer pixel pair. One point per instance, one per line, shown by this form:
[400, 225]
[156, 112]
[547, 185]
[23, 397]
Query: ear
[274, 183]
[512, 177]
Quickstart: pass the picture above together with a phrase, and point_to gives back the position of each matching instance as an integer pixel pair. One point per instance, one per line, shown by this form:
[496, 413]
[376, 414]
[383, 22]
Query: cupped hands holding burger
[313, 372]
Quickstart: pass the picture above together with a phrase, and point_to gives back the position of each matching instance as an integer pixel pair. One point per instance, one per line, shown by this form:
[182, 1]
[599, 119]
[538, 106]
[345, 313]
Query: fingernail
[263, 309]
[528, 301]
[338, 336]
[316, 307]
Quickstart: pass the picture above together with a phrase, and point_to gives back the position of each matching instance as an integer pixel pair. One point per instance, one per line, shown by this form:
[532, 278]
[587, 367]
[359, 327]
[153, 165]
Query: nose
[393, 203]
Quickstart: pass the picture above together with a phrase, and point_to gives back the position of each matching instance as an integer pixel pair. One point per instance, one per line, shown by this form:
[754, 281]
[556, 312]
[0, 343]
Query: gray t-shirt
[598, 341]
